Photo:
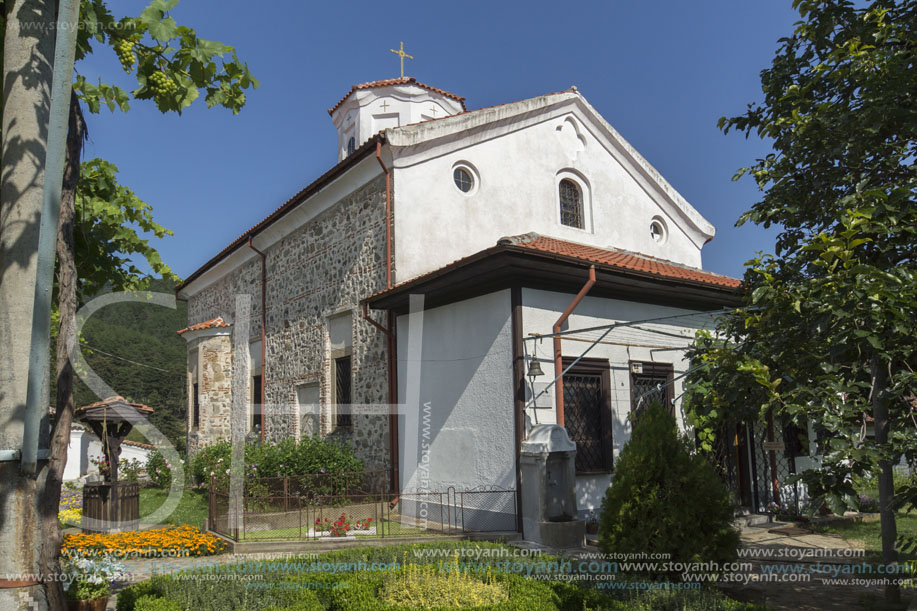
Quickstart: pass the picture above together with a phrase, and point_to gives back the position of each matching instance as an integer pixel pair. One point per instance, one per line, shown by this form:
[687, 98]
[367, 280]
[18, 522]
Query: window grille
[257, 413]
[652, 384]
[196, 403]
[571, 204]
[342, 391]
[587, 415]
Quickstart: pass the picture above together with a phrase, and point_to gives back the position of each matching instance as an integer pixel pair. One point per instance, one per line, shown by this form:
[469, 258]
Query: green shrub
[666, 499]
[679, 600]
[128, 597]
[129, 470]
[295, 588]
[154, 603]
[158, 469]
[325, 458]
[423, 587]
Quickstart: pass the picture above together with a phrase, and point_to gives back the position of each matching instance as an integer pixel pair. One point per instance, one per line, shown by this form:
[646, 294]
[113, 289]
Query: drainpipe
[558, 359]
[263, 326]
[388, 217]
[389, 333]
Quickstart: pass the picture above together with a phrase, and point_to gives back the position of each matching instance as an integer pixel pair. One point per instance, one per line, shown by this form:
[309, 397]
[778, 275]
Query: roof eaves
[516, 244]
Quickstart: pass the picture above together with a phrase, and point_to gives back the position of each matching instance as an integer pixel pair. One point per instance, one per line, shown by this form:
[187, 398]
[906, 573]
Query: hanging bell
[534, 369]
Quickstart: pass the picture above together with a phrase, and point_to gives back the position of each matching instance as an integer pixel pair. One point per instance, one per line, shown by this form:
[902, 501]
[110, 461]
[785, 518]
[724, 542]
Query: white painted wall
[465, 377]
[518, 173]
[540, 309]
[368, 111]
[84, 444]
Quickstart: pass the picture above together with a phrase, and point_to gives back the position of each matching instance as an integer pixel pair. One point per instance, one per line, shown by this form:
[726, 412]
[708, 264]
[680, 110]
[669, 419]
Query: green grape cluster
[161, 84]
[125, 50]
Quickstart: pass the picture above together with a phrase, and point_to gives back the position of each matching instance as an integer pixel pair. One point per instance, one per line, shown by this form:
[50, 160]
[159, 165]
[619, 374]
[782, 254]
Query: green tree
[666, 499]
[102, 222]
[826, 331]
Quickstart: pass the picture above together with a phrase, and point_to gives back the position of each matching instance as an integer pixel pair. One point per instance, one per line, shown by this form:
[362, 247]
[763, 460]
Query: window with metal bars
[651, 382]
[196, 407]
[257, 408]
[342, 391]
[571, 204]
[587, 414]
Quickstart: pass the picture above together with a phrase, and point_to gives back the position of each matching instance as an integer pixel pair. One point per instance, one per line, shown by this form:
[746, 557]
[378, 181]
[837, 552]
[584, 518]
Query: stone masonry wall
[322, 269]
[214, 366]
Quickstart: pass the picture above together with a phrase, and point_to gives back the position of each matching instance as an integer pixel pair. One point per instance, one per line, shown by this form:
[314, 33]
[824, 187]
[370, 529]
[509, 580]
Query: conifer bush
[666, 499]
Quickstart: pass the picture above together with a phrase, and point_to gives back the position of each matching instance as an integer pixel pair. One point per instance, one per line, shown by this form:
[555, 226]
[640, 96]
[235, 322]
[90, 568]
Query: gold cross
[401, 54]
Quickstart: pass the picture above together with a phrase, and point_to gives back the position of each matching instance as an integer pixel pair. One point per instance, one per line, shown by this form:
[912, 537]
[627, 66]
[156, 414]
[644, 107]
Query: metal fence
[740, 458]
[340, 508]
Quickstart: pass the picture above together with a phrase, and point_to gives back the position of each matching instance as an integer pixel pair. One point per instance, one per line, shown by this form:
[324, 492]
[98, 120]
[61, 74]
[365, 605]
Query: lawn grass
[192, 508]
[868, 531]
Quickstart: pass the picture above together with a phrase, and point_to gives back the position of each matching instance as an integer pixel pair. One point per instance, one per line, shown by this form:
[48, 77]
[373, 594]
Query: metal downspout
[390, 335]
[388, 217]
[558, 358]
[263, 327]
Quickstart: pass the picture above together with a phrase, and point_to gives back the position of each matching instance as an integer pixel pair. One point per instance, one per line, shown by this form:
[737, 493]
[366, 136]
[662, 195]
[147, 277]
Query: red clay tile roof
[408, 80]
[608, 258]
[111, 401]
[213, 323]
[138, 444]
[619, 259]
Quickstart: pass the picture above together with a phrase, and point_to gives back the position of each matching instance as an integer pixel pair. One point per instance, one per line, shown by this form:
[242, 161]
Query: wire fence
[289, 509]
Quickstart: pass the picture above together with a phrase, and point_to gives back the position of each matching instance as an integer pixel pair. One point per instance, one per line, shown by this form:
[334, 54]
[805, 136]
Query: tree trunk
[886, 483]
[28, 48]
[66, 341]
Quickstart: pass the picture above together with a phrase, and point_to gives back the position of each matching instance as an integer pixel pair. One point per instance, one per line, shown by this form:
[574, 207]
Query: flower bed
[70, 512]
[175, 541]
[342, 527]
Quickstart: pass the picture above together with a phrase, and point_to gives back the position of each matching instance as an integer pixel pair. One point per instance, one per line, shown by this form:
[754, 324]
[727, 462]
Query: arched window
[351, 146]
[571, 204]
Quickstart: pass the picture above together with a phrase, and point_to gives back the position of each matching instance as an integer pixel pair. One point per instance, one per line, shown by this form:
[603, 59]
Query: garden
[411, 577]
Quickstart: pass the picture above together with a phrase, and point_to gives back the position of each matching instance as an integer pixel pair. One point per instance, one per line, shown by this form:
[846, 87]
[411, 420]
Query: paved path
[825, 560]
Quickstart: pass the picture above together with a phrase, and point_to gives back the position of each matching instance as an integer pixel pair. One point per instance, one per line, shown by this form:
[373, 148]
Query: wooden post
[286, 492]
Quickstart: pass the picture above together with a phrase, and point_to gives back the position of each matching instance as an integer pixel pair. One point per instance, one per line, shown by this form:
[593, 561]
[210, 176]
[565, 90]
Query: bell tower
[369, 108]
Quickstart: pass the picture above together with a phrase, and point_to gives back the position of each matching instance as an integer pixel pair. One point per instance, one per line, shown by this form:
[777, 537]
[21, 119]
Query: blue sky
[660, 72]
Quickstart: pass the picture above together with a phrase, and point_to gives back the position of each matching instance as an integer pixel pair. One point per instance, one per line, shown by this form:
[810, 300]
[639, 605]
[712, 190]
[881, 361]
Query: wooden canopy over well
[110, 505]
[111, 421]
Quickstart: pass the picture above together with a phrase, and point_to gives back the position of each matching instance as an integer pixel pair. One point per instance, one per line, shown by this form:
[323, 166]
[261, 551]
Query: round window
[657, 231]
[463, 179]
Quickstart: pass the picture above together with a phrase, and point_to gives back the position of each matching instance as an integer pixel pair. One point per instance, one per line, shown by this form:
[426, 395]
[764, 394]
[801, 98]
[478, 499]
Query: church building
[401, 300]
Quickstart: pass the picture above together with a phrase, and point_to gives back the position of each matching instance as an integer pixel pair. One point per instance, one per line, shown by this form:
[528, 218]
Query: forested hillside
[134, 347]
